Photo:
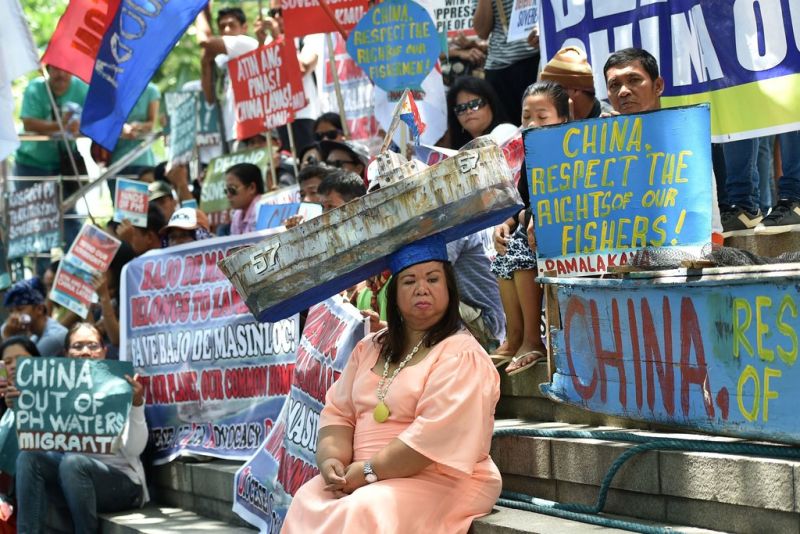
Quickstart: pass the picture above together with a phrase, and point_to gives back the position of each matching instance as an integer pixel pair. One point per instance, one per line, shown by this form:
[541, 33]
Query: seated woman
[88, 483]
[405, 432]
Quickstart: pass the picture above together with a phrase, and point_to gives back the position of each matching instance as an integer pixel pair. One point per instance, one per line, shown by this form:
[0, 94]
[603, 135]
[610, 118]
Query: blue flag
[141, 35]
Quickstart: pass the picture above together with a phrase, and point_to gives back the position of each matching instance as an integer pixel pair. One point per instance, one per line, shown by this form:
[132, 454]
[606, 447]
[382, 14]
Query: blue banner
[215, 379]
[140, 36]
[602, 189]
[732, 54]
[264, 486]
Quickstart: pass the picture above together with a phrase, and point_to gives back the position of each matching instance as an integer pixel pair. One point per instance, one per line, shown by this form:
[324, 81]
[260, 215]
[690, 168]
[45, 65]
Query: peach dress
[443, 408]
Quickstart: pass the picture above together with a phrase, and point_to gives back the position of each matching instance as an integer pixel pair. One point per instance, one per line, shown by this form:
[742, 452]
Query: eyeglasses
[330, 135]
[472, 105]
[79, 347]
[339, 163]
[275, 12]
[231, 190]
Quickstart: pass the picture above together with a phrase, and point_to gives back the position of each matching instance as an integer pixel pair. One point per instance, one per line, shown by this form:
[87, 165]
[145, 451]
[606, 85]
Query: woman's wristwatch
[369, 473]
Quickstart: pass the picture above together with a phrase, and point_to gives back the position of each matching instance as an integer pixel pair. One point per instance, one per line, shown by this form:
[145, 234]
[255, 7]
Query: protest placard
[523, 19]
[306, 17]
[34, 219]
[706, 52]
[273, 215]
[91, 253]
[71, 404]
[131, 202]
[356, 88]
[93, 250]
[207, 123]
[266, 483]
[452, 16]
[213, 200]
[9, 447]
[214, 378]
[396, 45]
[601, 189]
[182, 110]
[5, 278]
[267, 88]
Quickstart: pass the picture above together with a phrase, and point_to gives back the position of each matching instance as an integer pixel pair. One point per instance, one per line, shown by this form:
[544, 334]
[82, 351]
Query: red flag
[77, 38]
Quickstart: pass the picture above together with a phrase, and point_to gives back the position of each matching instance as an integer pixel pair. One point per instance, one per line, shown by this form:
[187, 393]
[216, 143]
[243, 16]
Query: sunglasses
[274, 12]
[339, 163]
[472, 105]
[78, 347]
[330, 135]
[231, 190]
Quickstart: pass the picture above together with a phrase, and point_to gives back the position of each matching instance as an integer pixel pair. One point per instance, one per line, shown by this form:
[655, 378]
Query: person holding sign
[388, 457]
[87, 483]
[634, 86]
[543, 104]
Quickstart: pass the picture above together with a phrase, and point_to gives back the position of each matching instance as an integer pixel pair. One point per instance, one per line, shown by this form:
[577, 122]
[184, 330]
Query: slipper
[540, 356]
[500, 359]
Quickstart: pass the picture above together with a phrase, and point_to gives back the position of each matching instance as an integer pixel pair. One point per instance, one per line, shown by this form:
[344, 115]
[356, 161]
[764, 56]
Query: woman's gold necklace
[381, 411]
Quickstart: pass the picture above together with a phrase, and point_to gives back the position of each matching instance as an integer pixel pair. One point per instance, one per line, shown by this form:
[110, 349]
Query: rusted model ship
[290, 271]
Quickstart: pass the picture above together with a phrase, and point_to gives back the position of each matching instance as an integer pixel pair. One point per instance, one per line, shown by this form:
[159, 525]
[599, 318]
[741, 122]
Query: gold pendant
[381, 412]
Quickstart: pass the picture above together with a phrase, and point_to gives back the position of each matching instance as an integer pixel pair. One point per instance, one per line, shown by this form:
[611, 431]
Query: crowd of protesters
[495, 87]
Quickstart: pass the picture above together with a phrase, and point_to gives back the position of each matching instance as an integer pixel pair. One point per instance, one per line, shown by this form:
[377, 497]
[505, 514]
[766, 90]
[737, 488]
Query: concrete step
[729, 493]
[157, 519]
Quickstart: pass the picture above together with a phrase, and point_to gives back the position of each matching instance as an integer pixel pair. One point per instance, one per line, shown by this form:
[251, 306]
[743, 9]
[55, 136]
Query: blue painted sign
[735, 55]
[214, 378]
[264, 486]
[273, 215]
[396, 44]
[716, 355]
[602, 189]
[71, 404]
[131, 202]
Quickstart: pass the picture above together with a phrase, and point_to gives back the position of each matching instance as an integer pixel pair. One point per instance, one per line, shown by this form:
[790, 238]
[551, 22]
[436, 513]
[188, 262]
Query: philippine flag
[409, 114]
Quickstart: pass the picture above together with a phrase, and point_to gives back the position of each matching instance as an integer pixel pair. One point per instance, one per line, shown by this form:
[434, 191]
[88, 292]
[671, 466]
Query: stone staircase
[689, 492]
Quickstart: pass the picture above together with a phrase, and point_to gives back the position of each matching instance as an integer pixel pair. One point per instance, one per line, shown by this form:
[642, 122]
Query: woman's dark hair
[458, 136]
[78, 326]
[552, 90]
[330, 117]
[247, 173]
[392, 340]
[23, 341]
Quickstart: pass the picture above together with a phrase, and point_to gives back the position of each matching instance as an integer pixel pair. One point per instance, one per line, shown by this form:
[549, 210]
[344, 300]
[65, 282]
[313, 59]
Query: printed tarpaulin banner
[305, 17]
[34, 219]
[182, 110]
[738, 56]
[138, 39]
[214, 378]
[71, 404]
[264, 486]
[602, 189]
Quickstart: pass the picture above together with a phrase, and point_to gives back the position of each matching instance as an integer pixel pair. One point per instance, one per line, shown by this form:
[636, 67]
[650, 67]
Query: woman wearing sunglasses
[328, 127]
[244, 186]
[473, 109]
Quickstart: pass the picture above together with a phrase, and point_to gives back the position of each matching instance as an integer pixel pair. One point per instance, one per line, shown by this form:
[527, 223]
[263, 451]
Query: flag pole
[293, 148]
[336, 85]
[395, 121]
[65, 139]
[271, 161]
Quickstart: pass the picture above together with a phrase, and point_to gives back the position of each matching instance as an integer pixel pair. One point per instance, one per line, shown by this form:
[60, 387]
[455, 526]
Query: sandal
[539, 356]
[500, 359]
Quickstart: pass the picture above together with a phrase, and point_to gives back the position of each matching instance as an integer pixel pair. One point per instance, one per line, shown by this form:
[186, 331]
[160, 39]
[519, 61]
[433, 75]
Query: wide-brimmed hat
[357, 150]
[569, 68]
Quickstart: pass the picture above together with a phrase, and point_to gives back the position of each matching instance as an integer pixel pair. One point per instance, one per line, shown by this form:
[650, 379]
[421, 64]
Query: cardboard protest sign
[306, 17]
[214, 378]
[602, 189]
[264, 486]
[9, 447]
[213, 200]
[267, 88]
[273, 215]
[34, 219]
[396, 44]
[71, 404]
[182, 108]
[356, 87]
[523, 19]
[91, 253]
[131, 202]
[452, 16]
